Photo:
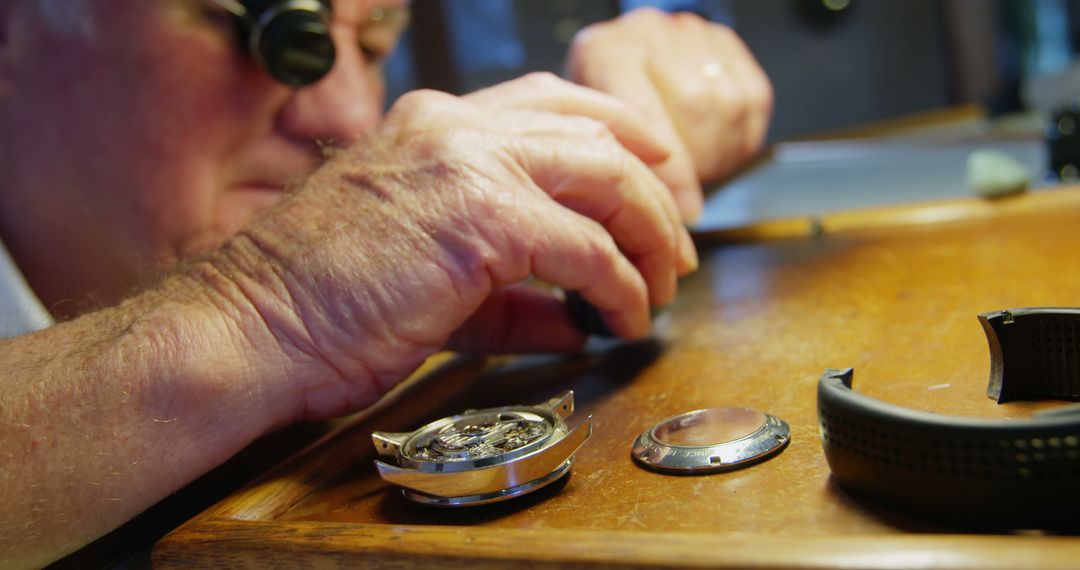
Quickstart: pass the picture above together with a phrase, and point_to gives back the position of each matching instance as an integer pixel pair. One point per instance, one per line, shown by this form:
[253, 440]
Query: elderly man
[163, 199]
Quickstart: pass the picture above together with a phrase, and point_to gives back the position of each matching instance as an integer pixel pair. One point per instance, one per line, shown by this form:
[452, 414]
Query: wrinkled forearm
[103, 416]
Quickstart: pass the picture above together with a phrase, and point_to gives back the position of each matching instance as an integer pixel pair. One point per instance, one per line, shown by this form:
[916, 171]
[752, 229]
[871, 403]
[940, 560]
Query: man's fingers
[546, 92]
[698, 83]
[515, 319]
[757, 92]
[678, 173]
[607, 184]
[633, 85]
[588, 153]
[705, 86]
[575, 253]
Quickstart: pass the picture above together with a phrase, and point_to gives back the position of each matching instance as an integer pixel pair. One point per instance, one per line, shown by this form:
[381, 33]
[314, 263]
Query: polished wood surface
[891, 217]
[755, 327]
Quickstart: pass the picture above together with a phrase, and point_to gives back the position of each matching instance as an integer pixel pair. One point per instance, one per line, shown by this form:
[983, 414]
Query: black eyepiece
[290, 39]
[296, 48]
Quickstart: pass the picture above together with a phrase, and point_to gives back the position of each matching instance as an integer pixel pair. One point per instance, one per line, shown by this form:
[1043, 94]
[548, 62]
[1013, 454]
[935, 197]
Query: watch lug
[388, 443]
[562, 405]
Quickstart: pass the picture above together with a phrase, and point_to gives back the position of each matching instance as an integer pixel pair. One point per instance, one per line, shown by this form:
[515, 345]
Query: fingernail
[640, 327]
[690, 202]
[662, 290]
[688, 256]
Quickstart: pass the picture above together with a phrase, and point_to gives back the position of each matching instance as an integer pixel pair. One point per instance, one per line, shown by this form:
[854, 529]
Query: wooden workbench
[893, 293]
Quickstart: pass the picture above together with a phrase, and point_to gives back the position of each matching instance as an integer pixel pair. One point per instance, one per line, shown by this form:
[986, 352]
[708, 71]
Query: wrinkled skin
[418, 235]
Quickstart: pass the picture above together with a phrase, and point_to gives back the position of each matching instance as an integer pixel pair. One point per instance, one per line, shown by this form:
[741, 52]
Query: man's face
[156, 137]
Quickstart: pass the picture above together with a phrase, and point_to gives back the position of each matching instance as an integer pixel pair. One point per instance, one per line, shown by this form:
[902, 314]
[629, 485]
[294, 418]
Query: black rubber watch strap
[1034, 353]
[972, 471]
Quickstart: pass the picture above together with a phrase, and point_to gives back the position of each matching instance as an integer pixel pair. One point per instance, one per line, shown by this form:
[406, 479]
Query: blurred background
[975, 73]
[833, 63]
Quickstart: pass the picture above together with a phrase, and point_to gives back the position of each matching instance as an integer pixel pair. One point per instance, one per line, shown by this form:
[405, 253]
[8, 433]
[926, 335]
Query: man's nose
[341, 106]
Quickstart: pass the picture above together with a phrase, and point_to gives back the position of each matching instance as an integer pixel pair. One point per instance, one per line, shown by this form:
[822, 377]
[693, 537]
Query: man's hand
[696, 82]
[423, 232]
[417, 237]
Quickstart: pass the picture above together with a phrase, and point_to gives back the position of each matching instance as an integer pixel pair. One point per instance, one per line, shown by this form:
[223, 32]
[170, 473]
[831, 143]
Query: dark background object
[876, 60]
[823, 14]
[1063, 143]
